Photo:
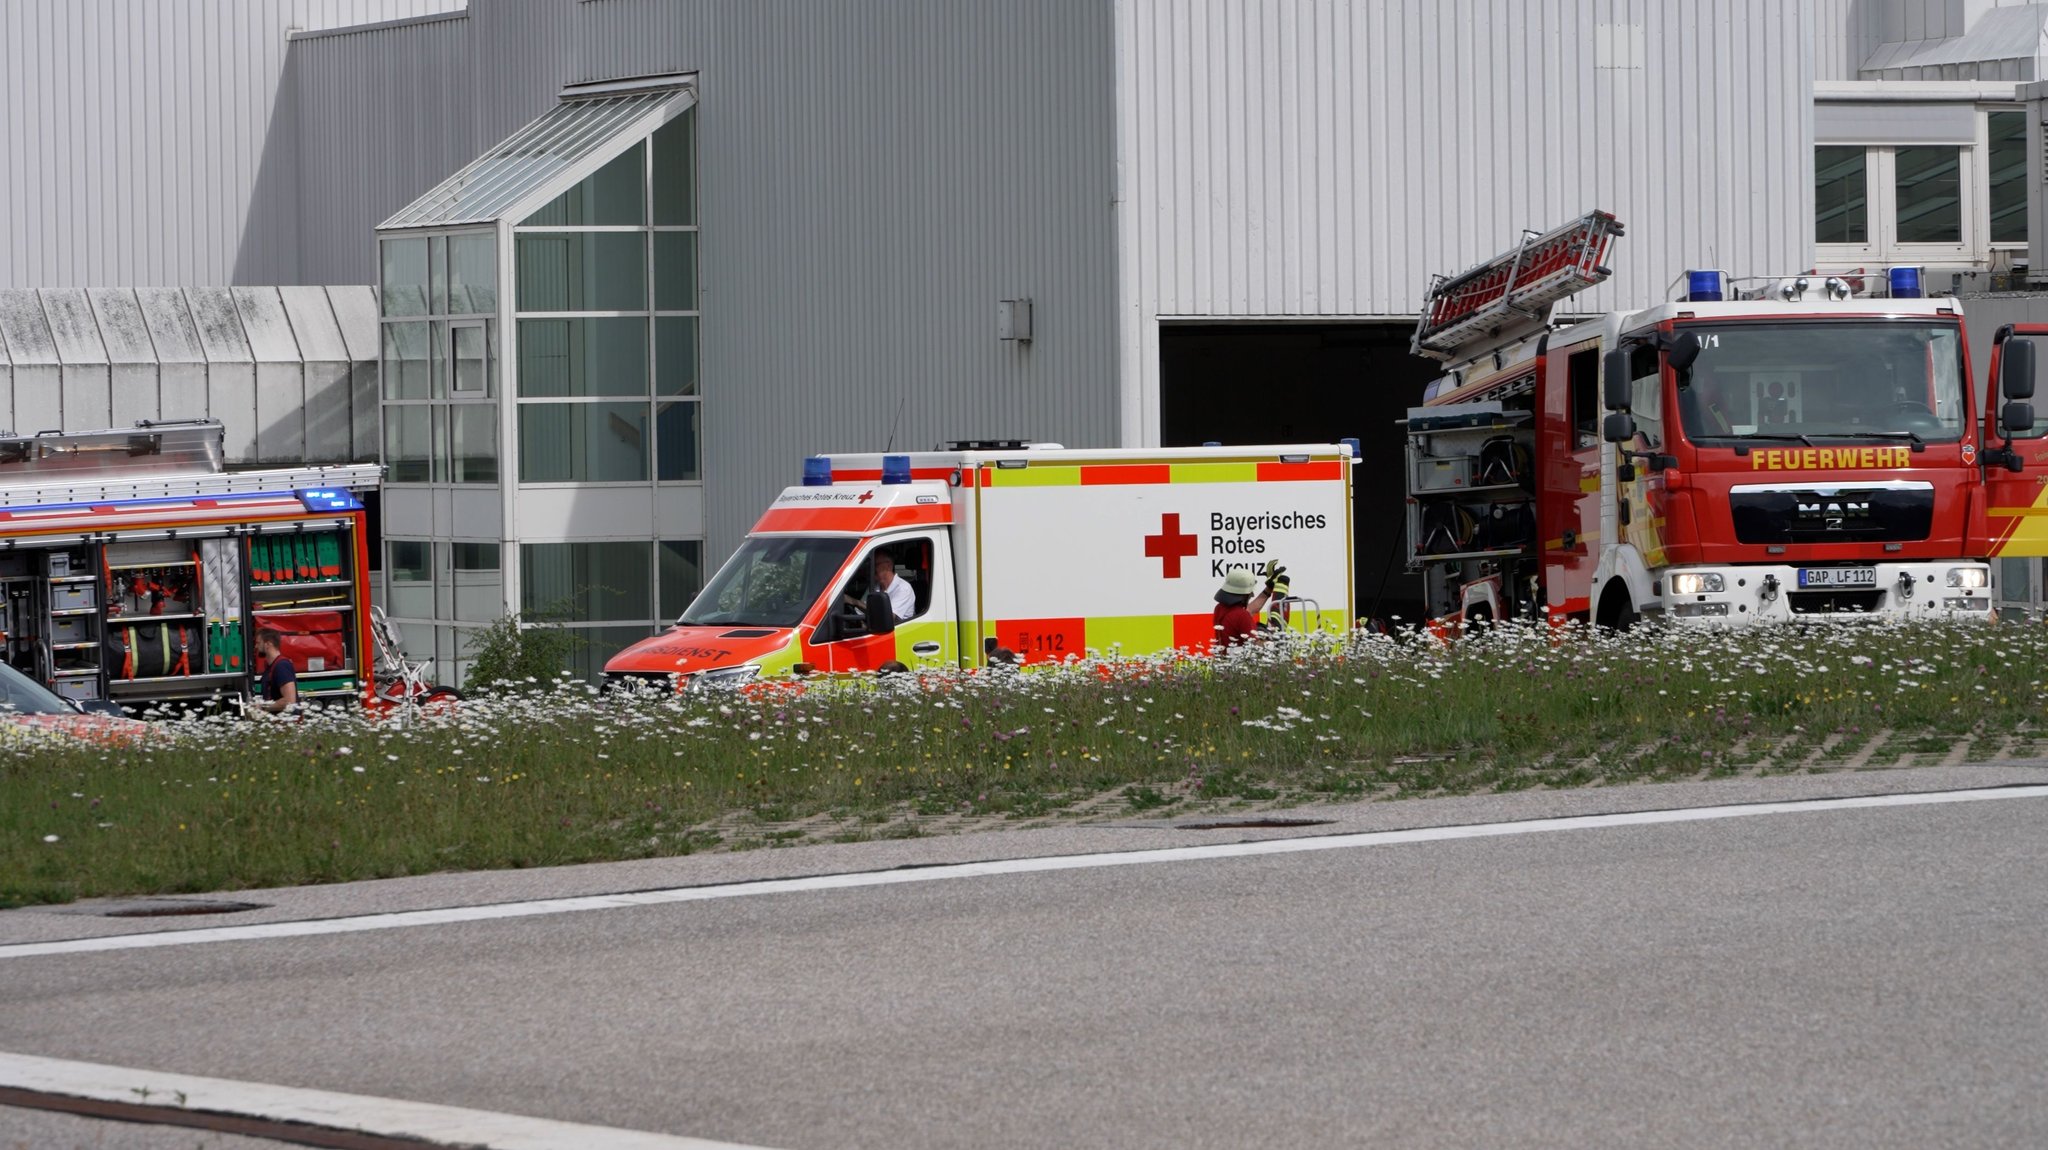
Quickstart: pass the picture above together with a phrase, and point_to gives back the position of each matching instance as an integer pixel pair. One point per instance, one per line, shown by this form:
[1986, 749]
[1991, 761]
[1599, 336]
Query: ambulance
[1012, 553]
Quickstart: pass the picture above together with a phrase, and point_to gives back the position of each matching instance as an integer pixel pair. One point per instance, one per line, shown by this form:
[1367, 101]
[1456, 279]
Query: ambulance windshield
[1824, 383]
[771, 581]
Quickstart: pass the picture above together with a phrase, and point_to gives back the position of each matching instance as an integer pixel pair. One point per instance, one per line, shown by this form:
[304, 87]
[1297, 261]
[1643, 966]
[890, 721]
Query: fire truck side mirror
[1614, 366]
[2016, 371]
[2018, 419]
[1620, 427]
[1681, 350]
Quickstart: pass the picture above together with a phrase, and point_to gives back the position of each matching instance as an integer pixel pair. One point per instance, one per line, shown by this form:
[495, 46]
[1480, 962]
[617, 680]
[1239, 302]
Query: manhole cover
[161, 908]
[1263, 823]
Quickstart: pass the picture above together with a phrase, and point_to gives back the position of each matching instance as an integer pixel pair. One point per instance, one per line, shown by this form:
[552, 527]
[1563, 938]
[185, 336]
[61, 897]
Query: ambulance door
[1568, 461]
[2016, 509]
[928, 637]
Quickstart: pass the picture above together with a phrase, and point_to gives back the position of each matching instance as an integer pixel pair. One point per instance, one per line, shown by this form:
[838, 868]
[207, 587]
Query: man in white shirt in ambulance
[902, 600]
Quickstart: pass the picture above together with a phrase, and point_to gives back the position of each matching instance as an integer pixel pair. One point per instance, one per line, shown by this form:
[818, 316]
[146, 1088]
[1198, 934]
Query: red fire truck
[1793, 447]
[135, 569]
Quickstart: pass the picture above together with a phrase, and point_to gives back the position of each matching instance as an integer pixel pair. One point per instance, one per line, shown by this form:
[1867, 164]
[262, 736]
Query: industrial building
[636, 258]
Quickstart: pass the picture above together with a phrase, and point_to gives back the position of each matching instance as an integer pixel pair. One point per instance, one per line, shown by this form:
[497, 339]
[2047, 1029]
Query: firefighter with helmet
[1237, 608]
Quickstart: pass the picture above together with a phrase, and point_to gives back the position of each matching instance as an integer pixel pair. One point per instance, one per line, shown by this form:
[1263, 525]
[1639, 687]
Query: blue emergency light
[1905, 282]
[1351, 446]
[818, 471]
[895, 469]
[1706, 286]
[329, 499]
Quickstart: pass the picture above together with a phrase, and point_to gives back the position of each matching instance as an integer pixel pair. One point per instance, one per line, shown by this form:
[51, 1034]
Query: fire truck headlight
[1697, 583]
[1968, 577]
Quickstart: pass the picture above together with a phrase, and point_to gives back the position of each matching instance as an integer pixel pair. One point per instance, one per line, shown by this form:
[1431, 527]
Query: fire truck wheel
[1616, 610]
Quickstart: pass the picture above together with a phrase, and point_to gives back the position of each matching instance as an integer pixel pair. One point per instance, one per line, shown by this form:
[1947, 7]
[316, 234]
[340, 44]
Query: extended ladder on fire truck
[1509, 297]
[1471, 476]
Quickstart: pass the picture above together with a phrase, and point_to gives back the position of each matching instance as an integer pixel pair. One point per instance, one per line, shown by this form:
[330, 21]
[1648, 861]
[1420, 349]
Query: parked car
[31, 709]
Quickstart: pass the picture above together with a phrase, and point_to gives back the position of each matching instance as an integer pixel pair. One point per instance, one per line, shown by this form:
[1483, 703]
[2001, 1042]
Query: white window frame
[1881, 200]
[1883, 248]
[483, 388]
[1983, 189]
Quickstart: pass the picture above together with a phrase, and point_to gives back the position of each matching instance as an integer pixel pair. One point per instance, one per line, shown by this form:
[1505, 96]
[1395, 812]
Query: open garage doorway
[1308, 383]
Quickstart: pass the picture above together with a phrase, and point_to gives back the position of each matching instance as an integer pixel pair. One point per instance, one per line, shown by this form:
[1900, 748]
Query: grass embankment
[564, 776]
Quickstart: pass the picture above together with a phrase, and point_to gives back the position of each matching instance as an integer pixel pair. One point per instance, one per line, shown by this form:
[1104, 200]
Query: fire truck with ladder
[1774, 448]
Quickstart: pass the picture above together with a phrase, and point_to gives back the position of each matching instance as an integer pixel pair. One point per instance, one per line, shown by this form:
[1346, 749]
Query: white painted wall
[1322, 159]
[153, 141]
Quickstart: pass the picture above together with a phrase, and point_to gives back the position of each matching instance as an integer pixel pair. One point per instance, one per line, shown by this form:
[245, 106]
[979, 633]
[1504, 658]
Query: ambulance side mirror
[1619, 427]
[1614, 366]
[2016, 371]
[881, 616]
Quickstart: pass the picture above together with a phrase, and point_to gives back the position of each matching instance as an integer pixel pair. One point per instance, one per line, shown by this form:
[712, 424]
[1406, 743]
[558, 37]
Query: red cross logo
[865, 496]
[1171, 545]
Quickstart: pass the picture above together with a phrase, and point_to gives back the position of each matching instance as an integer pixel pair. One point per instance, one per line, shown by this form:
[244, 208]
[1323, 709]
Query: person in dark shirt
[280, 684]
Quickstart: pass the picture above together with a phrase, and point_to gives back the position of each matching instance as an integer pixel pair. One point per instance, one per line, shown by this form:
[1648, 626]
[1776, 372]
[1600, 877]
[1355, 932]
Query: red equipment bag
[315, 641]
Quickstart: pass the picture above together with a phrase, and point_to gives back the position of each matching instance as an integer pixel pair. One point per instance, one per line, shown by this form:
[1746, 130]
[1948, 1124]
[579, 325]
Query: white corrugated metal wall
[377, 107]
[1323, 159]
[1848, 32]
[874, 178]
[144, 142]
[387, 112]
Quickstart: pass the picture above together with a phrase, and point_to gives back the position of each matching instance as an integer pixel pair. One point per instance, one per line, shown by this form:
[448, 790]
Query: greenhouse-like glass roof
[542, 158]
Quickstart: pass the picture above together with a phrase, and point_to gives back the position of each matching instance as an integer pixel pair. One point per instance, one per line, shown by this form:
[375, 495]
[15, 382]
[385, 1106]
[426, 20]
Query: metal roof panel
[355, 311]
[263, 320]
[2018, 32]
[543, 158]
[23, 326]
[122, 326]
[219, 325]
[312, 319]
[72, 325]
[171, 330]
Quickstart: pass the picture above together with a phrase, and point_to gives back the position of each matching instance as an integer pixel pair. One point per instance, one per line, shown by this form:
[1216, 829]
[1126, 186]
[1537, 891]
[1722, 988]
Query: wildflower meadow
[536, 774]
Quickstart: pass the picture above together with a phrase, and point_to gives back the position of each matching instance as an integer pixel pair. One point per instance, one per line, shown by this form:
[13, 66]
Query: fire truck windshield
[769, 582]
[1836, 381]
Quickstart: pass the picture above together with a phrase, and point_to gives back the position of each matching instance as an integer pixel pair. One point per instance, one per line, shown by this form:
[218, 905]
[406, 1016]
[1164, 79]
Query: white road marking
[389, 1117]
[454, 914]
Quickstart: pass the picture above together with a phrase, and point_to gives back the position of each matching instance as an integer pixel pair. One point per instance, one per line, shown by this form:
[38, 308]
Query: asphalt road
[47, 1130]
[1850, 978]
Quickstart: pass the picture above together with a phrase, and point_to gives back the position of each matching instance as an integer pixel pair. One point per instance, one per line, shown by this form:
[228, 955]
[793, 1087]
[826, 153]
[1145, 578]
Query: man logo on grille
[1835, 514]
